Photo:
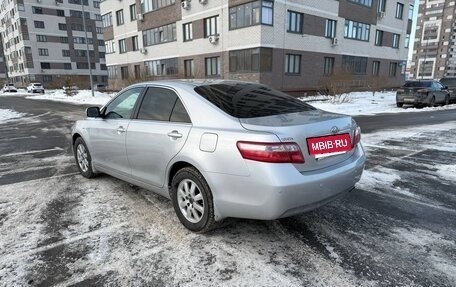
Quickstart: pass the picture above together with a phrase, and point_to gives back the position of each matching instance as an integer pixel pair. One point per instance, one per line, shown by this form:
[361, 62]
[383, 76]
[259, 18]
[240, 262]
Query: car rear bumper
[279, 190]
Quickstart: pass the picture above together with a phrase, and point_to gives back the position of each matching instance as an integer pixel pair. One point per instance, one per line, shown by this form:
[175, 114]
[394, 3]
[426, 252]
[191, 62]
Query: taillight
[357, 136]
[271, 152]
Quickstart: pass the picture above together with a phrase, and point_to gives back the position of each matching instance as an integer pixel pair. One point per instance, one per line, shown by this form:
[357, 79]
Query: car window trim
[140, 101]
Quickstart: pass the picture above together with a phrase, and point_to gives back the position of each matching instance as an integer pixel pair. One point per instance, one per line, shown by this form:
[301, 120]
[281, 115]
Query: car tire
[399, 105]
[432, 102]
[447, 100]
[192, 200]
[83, 158]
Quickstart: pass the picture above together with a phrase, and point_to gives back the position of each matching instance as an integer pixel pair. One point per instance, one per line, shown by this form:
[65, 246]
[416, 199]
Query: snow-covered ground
[83, 97]
[6, 115]
[357, 103]
[365, 103]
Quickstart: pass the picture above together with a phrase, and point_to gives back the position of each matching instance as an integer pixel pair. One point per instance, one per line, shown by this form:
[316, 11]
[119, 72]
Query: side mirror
[93, 112]
[445, 87]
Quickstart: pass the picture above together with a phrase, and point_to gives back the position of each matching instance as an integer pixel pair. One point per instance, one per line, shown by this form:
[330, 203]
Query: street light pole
[87, 47]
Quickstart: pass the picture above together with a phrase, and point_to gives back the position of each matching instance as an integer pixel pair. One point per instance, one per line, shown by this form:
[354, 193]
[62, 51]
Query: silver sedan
[221, 149]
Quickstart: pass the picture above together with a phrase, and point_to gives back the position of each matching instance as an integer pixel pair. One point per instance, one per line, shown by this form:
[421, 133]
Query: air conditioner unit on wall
[380, 14]
[213, 39]
[143, 50]
[140, 17]
[334, 42]
[203, 2]
[185, 4]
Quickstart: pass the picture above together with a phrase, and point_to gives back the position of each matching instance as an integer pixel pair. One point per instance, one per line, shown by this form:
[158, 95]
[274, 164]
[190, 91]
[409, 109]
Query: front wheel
[399, 105]
[432, 102]
[83, 158]
[447, 100]
[192, 200]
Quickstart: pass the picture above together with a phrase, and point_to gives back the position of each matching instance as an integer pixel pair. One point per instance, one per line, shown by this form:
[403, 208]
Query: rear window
[423, 84]
[448, 82]
[245, 100]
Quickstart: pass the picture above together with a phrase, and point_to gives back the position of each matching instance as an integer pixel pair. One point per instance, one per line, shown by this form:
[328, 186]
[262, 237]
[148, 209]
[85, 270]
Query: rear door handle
[175, 134]
[120, 130]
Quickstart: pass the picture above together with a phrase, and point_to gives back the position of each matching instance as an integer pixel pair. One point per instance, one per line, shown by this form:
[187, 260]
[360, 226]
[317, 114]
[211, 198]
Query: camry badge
[334, 130]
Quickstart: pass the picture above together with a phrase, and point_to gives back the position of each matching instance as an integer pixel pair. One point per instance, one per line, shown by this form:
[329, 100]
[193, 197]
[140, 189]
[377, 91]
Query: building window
[330, 28]
[98, 17]
[82, 66]
[65, 53]
[39, 24]
[96, 4]
[47, 78]
[124, 73]
[375, 68]
[367, 3]
[249, 14]
[119, 17]
[64, 40]
[43, 52]
[393, 69]
[188, 31]
[99, 30]
[295, 20]
[37, 10]
[45, 66]
[151, 5]
[122, 46]
[134, 43]
[80, 53]
[102, 55]
[356, 30]
[407, 40]
[79, 40]
[210, 26]
[399, 10]
[107, 19]
[160, 35]
[328, 67]
[60, 13]
[162, 67]
[62, 26]
[251, 60]
[67, 66]
[41, 38]
[101, 42]
[354, 65]
[378, 38]
[396, 39]
[78, 2]
[381, 6]
[78, 14]
[212, 66]
[110, 47]
[133, 15]
[410, 12]
[112, 72]
[292, 64]
[189, 68]
[103, 67]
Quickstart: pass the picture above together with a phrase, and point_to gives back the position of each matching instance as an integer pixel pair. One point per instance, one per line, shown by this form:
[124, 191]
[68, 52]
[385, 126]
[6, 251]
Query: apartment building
[434, 49]
[44, 41]
[291, 45]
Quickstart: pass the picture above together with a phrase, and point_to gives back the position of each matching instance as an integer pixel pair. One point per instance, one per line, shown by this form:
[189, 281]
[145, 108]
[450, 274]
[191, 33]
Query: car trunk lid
[298, 127]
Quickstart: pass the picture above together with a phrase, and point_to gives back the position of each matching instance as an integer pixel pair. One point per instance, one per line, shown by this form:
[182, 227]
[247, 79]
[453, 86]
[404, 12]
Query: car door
[440, 92]
[107, 135]
[156, 135]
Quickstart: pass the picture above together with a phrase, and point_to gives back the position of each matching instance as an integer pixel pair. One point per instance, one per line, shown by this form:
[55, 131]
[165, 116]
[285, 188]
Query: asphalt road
[397, 228]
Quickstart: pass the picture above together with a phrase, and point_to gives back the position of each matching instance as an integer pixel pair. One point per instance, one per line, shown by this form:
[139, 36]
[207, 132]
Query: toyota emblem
[334, 130]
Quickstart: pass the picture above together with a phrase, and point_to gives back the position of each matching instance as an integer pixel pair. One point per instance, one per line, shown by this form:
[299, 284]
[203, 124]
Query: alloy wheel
[82, 157]
[190, 200]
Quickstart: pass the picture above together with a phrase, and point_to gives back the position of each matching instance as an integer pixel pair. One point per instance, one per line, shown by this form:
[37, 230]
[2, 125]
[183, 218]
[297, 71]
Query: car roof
[192, 83]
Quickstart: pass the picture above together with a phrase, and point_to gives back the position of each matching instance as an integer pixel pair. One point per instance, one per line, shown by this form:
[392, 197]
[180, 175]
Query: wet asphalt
[60, 229]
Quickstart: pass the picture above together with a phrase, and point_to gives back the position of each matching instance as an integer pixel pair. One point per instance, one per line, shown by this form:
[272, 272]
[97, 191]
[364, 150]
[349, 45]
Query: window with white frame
[188, 31]
[399, 10]
[330, 28]
[381, 6]
[375, 68]
[43, 52]
[134, 43]
[328, 67]
[294, 22]
[161, 67]
[211, 26]
[378, 38]
[293, 64]
[396, 39]
[407, 41]
[367, 3]
[119, 17]
[212, 66]
[107, 19]
[356, 30]
[122, 46]
[151, 5]
[159, 35]
[133, 15]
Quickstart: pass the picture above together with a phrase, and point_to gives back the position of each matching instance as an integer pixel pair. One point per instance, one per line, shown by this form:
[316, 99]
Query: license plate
[329, 145]
[409, 100]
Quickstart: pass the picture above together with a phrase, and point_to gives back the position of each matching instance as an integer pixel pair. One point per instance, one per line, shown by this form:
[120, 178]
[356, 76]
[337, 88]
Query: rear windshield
[448, 82]
[425, 84]
[245, 100]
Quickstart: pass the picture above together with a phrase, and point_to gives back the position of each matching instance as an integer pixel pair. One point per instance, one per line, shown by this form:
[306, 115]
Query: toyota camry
[221, 149]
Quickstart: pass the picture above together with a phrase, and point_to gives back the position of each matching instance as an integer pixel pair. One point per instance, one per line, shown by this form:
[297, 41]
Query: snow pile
[83, 97]
[6, 115]
[365, 103]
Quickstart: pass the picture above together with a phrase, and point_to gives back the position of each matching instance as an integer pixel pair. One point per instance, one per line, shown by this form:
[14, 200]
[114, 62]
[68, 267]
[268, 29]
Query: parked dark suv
[451, 84]
[422, 93]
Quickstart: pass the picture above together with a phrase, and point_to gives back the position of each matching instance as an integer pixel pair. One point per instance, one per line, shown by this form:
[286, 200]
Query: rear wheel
[447, 100]
[192, 200]
[399, 105]
[432, 102]
[83, 158]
